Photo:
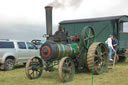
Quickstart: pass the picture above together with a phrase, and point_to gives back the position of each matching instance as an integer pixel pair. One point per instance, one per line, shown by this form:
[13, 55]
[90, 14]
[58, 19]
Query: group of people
[112, 43]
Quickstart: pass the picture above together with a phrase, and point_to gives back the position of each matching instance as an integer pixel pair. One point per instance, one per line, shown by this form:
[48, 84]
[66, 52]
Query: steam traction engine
[78, 52]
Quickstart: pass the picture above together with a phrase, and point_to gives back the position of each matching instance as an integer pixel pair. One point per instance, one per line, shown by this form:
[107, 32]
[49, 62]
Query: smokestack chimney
[48, 10]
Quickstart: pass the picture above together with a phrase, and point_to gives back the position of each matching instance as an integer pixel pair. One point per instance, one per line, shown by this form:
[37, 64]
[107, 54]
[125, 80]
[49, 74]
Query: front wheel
[9, 64]
[34, 68]
[66, 69]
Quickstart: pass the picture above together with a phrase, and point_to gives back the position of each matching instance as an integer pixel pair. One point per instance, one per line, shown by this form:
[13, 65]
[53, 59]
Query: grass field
[116, 76]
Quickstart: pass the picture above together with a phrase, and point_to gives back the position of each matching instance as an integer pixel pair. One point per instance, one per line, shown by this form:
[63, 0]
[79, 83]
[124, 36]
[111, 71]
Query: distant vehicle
[37, 42]
[15, 52]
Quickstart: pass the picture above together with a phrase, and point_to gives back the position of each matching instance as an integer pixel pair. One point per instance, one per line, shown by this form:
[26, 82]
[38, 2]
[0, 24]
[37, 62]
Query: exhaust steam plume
[65, 3]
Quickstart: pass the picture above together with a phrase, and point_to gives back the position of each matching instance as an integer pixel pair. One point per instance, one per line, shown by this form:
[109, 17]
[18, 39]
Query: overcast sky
[25, 19]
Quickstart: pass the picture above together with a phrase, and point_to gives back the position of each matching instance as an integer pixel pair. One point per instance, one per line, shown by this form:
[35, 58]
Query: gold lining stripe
[59, 50]
[78, 47]
[71, 48]
[63, 49]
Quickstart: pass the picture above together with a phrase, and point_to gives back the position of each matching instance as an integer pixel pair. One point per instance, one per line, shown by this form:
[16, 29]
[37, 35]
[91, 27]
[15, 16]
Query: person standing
[115, 43]
[110, 47]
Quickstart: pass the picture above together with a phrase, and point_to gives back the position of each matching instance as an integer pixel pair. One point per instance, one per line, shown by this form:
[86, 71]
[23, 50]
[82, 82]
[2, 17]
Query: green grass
[116, 76]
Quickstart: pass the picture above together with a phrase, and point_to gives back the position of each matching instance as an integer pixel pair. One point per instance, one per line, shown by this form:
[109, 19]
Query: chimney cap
[48, 7]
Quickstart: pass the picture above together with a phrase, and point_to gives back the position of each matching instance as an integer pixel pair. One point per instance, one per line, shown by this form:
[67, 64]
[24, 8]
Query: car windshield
[6, 45]
[31, 46]
[125, 27]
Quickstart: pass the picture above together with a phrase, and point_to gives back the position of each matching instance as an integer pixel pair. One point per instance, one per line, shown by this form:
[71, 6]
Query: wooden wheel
[66, 69]
[34, 68]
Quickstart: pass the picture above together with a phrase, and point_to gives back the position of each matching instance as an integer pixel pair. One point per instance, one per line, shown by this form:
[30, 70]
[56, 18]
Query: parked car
[37, 42]
[15, 52]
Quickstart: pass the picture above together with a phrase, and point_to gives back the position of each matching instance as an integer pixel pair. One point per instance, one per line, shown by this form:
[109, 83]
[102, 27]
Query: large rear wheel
[97, 56]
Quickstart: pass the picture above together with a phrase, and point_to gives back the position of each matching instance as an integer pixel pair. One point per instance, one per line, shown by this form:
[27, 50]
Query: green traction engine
[70, 53]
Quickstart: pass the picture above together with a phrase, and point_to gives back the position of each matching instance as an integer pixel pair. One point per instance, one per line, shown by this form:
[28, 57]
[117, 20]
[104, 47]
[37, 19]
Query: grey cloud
[21, 32]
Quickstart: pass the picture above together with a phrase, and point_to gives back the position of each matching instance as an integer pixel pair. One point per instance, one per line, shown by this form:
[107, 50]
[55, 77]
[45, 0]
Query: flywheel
[87, 36]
